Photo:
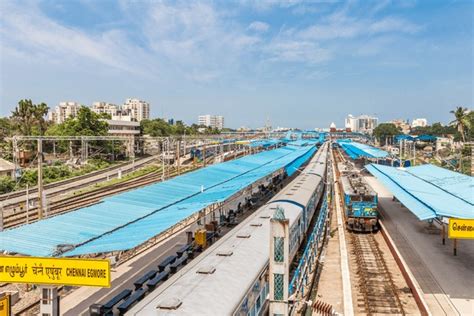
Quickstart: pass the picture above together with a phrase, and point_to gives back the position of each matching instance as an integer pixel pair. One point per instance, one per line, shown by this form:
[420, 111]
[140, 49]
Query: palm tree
[461, 120]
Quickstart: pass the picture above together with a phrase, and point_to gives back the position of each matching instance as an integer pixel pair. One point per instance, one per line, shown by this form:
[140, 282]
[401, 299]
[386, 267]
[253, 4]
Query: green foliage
[60, 171]
[6, 184]
[461, 121]
[386, 130]
[6, 128]
[159, 128]
[437, 129]
[86, 123]
[28, 118]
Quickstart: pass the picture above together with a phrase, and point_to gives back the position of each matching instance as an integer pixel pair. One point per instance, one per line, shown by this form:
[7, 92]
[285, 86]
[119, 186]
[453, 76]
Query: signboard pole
[443, 232]
[455, 244]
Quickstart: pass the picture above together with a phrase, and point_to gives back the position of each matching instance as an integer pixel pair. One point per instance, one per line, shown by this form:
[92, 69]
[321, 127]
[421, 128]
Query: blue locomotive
[360, 203]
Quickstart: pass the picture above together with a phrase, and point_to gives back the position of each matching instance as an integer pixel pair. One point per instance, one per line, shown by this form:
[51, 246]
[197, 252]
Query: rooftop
[429, 191]
[128, 219]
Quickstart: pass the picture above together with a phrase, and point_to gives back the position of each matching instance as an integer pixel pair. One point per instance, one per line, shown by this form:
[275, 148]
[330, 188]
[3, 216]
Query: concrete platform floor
[446, 280]
[329, 287]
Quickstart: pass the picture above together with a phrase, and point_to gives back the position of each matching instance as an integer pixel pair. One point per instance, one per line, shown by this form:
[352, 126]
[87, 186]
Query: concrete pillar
[279, 263]
[49, 303]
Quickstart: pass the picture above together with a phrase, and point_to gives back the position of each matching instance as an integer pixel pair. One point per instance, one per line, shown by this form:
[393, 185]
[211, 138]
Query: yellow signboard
[461, 228]
[59, 271]
[5, 305]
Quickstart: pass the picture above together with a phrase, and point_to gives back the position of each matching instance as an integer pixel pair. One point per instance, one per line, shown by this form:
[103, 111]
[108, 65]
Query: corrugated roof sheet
[356, 150]
[429, 191]
[180, 196]
[144, 229]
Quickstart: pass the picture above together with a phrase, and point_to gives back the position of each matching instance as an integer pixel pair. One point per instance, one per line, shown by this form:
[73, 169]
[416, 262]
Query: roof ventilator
[225, 253]
[172, 303]
[206, 270]
[243, 235]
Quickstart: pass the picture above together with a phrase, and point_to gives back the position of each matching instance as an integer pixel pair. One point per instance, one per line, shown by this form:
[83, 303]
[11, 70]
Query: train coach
[231, 276]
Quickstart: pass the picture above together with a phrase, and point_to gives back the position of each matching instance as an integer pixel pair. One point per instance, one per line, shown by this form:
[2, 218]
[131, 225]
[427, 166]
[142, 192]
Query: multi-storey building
[419, 122]
[63, 111]
[402, 124]
[361, 123]
[214, 121]
[139, 110]
[105, 107]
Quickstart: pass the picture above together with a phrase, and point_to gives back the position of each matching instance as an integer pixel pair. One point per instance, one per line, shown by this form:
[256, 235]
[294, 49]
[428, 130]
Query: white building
[214, 121]
[362, 123]
[139, 109]
[402, 124]
[123, 128]
[105, 107]
[419, 122]
[64, 111]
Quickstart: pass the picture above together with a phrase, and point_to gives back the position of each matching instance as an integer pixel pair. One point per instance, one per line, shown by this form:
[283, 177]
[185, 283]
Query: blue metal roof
[429, 191]
[264, 143]
[167, 202]
[144, 229]
[356, 150]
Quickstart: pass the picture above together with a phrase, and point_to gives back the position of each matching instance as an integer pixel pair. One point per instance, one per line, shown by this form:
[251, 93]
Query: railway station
[317, 224]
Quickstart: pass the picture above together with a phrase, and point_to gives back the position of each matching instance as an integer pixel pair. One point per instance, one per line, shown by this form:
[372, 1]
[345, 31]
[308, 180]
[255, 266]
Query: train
[236, 266]
[360, 200]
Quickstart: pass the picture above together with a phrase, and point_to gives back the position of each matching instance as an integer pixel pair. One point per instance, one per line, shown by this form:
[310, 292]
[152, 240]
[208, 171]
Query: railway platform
[447, 281]
[360, 274]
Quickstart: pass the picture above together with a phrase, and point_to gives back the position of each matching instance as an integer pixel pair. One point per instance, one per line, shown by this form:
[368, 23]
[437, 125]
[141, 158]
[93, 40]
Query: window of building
[279, 249]
[45, 297]
[278, 282]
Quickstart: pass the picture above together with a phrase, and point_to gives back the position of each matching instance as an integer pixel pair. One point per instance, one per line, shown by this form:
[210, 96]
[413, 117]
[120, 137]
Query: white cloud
[297, 51]
[391, 24]
[34, 36]
[258, 26]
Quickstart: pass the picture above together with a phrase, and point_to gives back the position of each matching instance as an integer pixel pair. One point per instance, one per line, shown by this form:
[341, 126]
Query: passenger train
[231, 276]
[360, 200]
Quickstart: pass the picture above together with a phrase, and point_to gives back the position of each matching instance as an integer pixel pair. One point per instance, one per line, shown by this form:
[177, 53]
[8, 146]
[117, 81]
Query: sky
[294, 63]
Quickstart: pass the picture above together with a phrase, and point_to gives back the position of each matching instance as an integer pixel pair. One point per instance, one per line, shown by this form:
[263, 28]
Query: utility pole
[163, 160]
[204, 154]
[178, 156]
[40, 178]
[400, 153]
[27, 203]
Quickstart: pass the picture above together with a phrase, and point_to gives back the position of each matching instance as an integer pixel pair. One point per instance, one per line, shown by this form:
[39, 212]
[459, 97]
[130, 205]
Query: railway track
[377, 293]
[33, 190]
[89, 198]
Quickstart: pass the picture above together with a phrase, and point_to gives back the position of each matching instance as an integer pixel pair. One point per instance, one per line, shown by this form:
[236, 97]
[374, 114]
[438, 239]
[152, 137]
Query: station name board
[461, 228]
[55, 271]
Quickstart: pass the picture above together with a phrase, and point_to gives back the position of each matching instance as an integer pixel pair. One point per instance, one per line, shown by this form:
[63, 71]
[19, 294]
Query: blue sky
[297, 63]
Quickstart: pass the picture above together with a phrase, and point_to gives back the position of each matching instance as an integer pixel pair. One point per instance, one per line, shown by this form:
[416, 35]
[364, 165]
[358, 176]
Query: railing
[308, 261]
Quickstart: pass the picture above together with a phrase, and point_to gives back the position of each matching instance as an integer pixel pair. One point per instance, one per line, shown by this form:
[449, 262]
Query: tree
[27, 116]
[156, 127]
[461, 120]
[385, 130]
[6, 184]
[6, 128]
[86, 123]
